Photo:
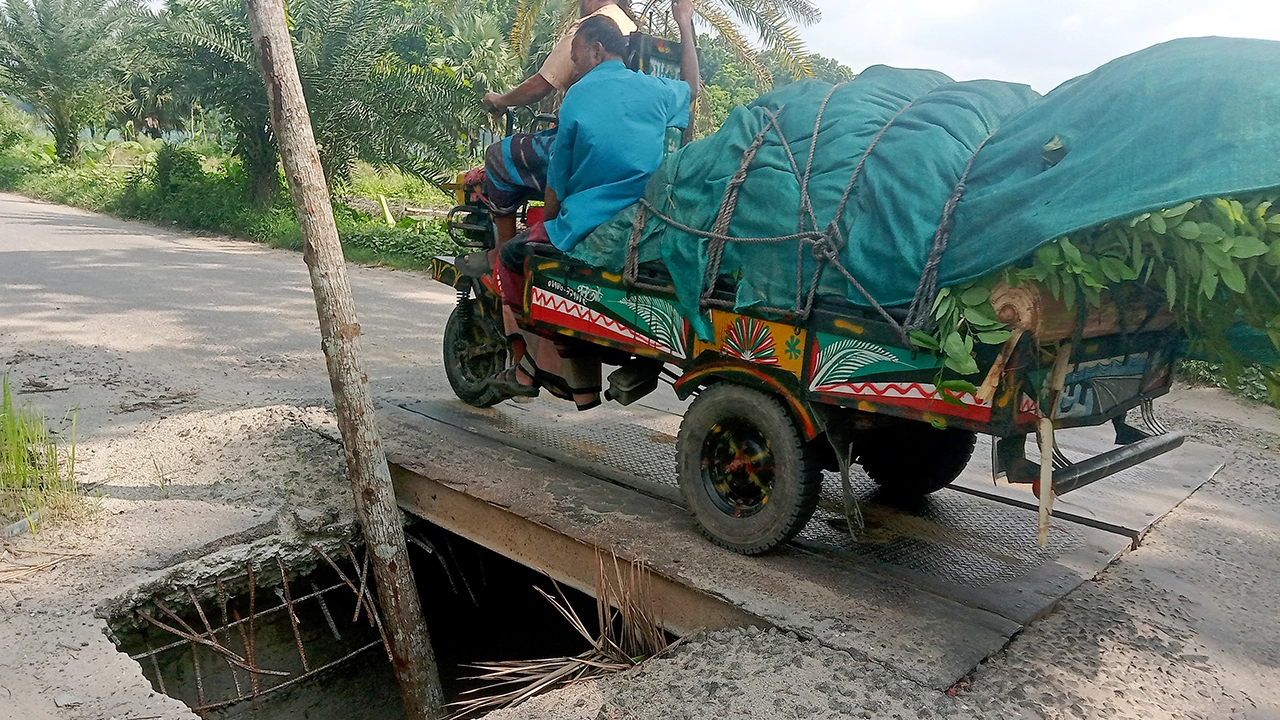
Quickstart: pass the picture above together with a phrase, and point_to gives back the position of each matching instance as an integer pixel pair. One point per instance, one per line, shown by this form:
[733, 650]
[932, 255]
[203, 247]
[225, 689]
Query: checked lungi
[516, 170]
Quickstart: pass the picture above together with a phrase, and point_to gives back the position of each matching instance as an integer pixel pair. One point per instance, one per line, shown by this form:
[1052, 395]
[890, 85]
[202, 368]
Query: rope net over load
[880, 191]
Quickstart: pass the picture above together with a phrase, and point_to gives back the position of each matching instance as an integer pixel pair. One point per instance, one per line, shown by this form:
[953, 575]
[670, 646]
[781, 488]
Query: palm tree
[474, 43]
[774, 22]
[62, 57]
[367, 102]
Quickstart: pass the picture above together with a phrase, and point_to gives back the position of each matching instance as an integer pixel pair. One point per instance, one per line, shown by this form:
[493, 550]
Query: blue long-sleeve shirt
[612, 125]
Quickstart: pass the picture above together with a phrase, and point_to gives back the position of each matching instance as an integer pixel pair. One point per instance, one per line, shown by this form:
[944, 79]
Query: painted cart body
[840, 357]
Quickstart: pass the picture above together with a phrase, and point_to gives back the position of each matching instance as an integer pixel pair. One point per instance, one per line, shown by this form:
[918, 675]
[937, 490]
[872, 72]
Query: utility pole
[412, 656]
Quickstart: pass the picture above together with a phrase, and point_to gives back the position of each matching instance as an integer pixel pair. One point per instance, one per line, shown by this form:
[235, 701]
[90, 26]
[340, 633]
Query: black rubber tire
[914, 459]
[796, 476]
[466, 372]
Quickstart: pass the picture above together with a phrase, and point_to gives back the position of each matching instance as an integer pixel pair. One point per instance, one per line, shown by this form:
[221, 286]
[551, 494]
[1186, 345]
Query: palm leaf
[662, 318]
[841, 360]
[527, 13]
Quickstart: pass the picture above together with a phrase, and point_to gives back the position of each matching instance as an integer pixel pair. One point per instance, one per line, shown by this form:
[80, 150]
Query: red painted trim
[690, 381]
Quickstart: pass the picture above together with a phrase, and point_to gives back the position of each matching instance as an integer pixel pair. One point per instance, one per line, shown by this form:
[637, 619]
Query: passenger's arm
[560, 165]
[689, 70]
[551, 204]
[526, 93]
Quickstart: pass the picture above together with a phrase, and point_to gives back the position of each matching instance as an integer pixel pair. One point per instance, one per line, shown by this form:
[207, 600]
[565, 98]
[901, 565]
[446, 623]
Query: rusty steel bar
[240, 661]
[191, 593]
[240, 621]
[293, 617]
[364, 577]
[195, 661]
[292, 681]
[155, 665]
[448, 546]
[250, 651]
[222, 603]
[324, 609]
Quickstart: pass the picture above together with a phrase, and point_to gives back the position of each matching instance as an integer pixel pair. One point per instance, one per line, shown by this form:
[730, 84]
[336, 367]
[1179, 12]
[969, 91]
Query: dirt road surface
[193, 368]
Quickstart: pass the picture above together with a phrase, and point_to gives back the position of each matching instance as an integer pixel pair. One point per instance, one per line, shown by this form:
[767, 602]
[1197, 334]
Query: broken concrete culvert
[288, 626]
[284, 626]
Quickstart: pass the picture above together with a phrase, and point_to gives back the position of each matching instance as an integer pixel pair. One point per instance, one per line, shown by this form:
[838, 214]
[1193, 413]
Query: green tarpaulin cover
[1186, 119]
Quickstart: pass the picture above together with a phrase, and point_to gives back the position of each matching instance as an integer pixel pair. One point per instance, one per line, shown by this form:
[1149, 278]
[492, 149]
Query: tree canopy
[391, 83]
[61, 57]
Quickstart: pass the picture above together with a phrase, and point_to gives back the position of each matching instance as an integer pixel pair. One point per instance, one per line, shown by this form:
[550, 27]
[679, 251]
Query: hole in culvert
[479, 605]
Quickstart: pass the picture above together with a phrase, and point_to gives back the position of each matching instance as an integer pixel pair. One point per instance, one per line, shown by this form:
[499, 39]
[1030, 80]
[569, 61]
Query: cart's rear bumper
[1011, 460]
[1085, 472]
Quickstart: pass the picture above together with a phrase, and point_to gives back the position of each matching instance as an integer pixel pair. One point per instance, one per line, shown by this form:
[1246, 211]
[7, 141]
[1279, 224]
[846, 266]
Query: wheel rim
[738, 467]
[478, 355]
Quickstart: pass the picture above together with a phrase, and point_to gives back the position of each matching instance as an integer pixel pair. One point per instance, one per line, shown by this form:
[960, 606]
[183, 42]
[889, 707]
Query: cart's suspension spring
[464, 305]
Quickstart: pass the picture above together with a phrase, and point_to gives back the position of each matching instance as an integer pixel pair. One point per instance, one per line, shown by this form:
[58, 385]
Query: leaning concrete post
[412, 656]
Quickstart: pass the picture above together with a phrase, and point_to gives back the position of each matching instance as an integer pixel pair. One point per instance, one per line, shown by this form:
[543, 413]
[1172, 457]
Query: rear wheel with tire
[913, 459]
[746, 473]
[474, 349]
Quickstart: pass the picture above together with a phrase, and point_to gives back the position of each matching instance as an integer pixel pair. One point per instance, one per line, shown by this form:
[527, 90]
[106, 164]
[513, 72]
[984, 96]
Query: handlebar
[535, 119]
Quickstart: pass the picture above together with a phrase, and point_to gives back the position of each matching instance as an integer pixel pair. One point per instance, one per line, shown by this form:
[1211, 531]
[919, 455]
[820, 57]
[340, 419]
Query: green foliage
[177, 167]
[36, 475]
[1215, 263]
[15, 128]
[60, 56]
[370, 182]
[410, 244]
[475, 46]
[173, 189]
[88, 186]
[824, 68]
[1251, 383]
[729, 83]
[367, 103]
[775, 23]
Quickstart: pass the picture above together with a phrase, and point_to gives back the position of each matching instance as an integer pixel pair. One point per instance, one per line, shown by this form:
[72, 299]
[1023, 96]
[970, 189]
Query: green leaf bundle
[1215, 261]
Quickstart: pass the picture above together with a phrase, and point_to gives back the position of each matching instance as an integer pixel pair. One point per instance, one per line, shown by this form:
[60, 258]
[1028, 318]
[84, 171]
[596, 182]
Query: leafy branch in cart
[1215, 262]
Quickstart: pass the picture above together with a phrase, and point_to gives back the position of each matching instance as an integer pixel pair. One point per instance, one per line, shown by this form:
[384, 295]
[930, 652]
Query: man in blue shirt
[613, 124]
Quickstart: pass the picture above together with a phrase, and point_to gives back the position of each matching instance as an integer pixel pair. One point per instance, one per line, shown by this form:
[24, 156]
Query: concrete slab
[1128, 503]
[545, 513]
[971, 550]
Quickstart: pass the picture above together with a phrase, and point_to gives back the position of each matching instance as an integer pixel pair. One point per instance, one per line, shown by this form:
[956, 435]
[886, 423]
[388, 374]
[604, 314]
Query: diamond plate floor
[1128, 503]
[976, 550]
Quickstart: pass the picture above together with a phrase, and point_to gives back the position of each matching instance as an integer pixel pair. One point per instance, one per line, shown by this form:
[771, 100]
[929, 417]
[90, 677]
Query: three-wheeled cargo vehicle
[778, 401]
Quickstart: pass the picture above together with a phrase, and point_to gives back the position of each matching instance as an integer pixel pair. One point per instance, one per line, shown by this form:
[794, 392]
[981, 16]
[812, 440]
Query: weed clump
[37, 476]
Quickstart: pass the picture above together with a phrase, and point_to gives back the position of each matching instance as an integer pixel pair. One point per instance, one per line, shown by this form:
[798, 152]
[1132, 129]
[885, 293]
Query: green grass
[1250, 385]
[180, 187]
[370, 182]
[37, 477]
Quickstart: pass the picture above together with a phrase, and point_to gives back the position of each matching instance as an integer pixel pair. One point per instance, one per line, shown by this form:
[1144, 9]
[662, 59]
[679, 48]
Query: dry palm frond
[527, 13]
[14, 571]
[630, 633]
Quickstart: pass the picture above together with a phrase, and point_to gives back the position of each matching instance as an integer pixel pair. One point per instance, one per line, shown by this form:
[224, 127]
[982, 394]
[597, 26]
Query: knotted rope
[824, 245]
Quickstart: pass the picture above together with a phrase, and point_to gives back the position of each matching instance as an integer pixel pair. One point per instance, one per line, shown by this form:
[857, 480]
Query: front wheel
[746, 474]
[913, 459]
[473, 350]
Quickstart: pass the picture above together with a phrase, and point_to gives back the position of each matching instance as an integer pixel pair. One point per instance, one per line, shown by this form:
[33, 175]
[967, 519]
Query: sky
[1029, 41]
